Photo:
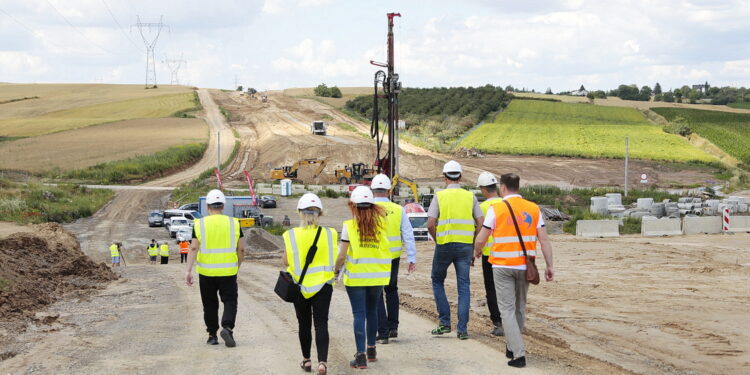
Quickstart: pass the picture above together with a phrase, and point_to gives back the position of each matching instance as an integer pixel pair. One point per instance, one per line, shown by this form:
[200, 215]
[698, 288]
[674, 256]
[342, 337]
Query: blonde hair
[310, 220]
[369, 220]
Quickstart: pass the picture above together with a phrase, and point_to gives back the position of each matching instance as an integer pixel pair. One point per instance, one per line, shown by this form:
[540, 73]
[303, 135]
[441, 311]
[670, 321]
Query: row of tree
[705, 92]
[328, 92]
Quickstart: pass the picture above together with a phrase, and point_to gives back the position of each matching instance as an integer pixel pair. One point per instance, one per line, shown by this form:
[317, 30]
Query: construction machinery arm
[411, 184]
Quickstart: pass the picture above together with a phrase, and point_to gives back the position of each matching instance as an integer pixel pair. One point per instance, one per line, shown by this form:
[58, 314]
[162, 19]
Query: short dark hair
[456, 178]
[379, 191]
[490, 188]
[216, 206]
[511, 181]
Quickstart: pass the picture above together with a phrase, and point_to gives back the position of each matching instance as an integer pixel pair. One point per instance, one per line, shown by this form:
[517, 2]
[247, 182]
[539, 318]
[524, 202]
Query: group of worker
[368, 257]
[154, 249]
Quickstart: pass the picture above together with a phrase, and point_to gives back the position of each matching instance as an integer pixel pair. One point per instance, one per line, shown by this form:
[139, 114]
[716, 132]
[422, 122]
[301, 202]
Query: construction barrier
[598, 228]
[701, 225]
[661, 227]
[739, 224]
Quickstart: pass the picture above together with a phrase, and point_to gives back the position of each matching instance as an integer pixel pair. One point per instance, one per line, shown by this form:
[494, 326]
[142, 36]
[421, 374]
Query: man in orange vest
[184, 247]
[508, 261]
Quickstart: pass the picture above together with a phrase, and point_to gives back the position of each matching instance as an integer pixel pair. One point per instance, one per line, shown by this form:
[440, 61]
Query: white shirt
[489, 223]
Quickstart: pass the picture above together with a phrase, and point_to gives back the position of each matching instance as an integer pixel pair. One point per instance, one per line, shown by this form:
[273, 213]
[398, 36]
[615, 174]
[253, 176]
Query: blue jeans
[460, 255]
[364, 301]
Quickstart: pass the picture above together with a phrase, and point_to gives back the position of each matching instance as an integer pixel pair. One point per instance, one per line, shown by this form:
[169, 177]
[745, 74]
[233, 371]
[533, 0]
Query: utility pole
[150, 43]
[626, 166]
[236, 82]
[174, 68]
[218, 151]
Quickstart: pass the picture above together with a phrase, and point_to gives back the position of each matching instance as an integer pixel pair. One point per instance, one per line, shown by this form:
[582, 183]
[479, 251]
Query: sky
[274, 44]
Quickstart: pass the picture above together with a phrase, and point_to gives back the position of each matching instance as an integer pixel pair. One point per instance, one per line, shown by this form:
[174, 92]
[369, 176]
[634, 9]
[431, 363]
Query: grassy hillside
[579, 130]
[728, 131]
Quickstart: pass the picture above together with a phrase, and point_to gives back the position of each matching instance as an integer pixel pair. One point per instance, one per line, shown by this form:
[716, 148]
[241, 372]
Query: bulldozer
[300, 170]
[358, 173]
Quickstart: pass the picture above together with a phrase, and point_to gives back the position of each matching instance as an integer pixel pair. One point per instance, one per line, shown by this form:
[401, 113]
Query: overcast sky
[270, 44]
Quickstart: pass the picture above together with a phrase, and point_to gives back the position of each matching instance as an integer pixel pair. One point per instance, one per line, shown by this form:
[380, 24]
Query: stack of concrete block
[614, 205]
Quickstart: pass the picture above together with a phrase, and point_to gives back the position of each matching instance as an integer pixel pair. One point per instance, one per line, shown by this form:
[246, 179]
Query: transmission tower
[174, 67]
[150, 41]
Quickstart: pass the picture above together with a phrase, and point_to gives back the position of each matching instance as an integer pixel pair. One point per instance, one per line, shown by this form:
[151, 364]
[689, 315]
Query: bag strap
[310, 255]
[518, 230]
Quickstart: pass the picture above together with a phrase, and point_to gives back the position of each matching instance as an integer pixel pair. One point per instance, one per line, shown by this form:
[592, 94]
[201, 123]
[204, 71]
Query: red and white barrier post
[725, 220]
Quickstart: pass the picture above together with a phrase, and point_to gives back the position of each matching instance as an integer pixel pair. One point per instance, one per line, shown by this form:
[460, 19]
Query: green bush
[275, 229]
[31, 203]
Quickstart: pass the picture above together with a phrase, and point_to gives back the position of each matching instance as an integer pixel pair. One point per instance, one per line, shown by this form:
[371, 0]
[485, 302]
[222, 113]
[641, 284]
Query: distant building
[583, 92]
[702, 88]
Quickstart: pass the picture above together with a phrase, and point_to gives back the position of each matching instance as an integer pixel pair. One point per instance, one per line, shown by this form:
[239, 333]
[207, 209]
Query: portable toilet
[286, 188]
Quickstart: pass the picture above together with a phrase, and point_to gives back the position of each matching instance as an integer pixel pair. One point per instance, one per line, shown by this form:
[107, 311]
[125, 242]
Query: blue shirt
[407, 233]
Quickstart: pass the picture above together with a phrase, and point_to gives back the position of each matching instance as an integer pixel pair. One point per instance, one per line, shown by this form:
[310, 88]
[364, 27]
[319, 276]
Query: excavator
[292, 171]
[357, 173]
[403, 180]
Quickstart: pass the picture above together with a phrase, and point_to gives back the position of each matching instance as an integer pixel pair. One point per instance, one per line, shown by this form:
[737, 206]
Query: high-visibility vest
[113, 251]
[320, 271]
[184, 247]
[393, 218]
[507, 251]
[153, 250]
[218, 236]
[456, 220]
[367, 263]
[164, 250]
[485, 207]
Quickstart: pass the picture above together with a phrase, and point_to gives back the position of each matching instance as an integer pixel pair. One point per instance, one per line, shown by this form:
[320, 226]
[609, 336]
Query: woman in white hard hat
[364, 250]
[316, 285]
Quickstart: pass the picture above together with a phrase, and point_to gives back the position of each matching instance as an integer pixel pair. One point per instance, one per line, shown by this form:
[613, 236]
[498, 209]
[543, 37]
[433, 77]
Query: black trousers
[489, 289]
[183, 258]
[314, 309]
[388, 304]
[164, 260]
[226, 287]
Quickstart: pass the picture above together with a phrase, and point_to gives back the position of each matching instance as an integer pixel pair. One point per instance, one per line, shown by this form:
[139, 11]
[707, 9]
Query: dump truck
[318, 127]
[302, 169]
[243, 208]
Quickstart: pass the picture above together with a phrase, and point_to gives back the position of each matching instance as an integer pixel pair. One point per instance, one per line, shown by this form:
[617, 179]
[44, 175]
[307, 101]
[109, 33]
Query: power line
[78, 30]
[119, 26]
[32, 32]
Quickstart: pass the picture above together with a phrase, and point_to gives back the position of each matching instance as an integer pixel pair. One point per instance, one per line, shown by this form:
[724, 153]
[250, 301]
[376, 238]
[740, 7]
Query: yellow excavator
[356, 174]
[292, 171]
[403, 180]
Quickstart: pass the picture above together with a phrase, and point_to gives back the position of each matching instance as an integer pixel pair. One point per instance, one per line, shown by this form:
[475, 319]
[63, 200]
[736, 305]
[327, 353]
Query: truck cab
[318, 127]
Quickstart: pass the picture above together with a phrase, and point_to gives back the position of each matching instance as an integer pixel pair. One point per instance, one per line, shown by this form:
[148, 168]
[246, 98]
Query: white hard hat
[309, 200]
[381, 181]
[362, 194]
[486, 179]
[452, 168]
[215, 196]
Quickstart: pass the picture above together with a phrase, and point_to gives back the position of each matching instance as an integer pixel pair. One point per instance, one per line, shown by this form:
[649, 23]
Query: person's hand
[189, 278]
[412, 267]
[478, 254]
[549, 273]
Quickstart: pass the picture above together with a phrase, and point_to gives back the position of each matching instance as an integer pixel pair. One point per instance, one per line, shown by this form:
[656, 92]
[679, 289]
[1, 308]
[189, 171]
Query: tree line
[703, 93]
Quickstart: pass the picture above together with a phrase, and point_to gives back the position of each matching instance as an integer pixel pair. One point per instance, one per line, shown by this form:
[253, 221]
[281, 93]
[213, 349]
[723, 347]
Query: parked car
[184, 234]
[179, 223]
[183, 214]
[267, 201]
[155, 218]
[189, 207]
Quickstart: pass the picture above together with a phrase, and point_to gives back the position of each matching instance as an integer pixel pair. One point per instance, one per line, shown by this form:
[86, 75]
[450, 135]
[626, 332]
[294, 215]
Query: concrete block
[314, 188]
[739, 224]
[598, 228]
[701, 225]
[263, 190]
[423, 191]
[661, 227]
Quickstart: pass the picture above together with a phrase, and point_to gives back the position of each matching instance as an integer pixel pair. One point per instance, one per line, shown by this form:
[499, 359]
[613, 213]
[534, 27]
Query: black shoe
[393, 333]
[508, 353]
[382, 339]
[518, 362]
[212, 340]
[372, 354]
[226, 335]
[360, 361]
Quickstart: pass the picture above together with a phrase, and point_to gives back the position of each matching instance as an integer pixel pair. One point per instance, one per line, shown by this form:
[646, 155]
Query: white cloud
[14, 63]
[632, 45]
[319, 58]
[312, 3]
[274, 6]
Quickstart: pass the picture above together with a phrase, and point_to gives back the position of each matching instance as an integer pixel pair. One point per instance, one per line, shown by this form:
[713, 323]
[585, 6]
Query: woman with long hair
[316, 286]
[365, 260]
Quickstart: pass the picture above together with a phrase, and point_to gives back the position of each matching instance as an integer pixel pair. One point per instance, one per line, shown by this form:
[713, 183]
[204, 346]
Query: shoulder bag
[285, 287]
[532, 273]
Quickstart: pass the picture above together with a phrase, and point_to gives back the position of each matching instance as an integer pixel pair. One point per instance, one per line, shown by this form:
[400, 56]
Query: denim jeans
[364, 301]
[460, 255]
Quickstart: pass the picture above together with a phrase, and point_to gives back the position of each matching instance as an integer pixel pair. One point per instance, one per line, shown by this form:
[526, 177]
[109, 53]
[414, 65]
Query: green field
[728, 131]
[740, 105]
[32, 203]
[533, 127]
[79, 117]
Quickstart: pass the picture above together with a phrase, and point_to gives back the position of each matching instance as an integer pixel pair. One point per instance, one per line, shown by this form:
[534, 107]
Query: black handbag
[285, 287]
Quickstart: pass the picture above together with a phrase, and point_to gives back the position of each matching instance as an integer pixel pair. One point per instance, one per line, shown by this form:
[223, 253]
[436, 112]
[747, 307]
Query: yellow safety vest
[164, 251]
[393, 218]
[485, 206]
[367, 263]
[456, 220]
[113, 251]
[320, 270]
[153, 250]
[217, 255]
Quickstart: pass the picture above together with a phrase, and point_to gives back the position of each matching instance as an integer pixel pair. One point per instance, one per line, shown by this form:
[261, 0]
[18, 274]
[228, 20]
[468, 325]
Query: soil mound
[38, 268]
[261, 244]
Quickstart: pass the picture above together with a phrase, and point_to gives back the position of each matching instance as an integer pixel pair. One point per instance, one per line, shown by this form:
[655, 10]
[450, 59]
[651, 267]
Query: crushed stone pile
[39, 267]
[259, 244]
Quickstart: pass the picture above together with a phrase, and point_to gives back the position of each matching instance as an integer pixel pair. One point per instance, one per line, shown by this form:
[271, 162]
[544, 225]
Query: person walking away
[317, 286]
[453, 219]
[164, 253]
[217, 251]
[366, 263]
[184, 248]
[153, 251]
[114, 252]
[400, 234]
[508, 260]
[487, 183]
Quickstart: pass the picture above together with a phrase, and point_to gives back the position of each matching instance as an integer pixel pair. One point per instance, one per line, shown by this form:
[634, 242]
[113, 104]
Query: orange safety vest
[506, 250]
[184, 246]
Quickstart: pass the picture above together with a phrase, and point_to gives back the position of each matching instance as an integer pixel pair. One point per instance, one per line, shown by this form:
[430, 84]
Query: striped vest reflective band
[507, 251]
[393, 212]
[218, 236]
[164, 250]
[113, 251]
[320, 271]
[367, 263]
[456, 220]
[485, 207]
[184, 247]
[153, 250]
